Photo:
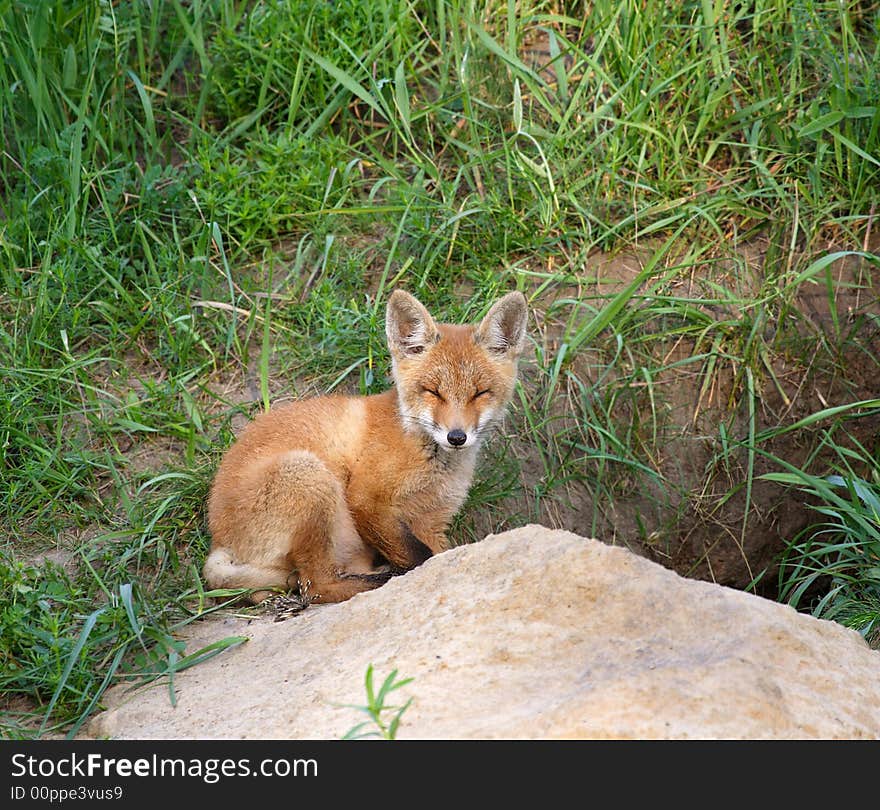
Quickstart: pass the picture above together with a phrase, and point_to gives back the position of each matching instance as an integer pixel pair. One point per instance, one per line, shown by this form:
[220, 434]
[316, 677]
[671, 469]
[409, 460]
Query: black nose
[456, 437]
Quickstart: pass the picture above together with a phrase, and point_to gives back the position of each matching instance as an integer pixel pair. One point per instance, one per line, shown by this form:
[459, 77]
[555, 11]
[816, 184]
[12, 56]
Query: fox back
[341, 492]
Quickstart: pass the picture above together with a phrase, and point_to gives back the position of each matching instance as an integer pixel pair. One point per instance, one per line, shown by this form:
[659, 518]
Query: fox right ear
[503, 330]
[409, 327]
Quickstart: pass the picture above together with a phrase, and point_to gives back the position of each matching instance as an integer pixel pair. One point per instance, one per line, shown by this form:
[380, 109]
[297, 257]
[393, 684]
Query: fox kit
[324, 490]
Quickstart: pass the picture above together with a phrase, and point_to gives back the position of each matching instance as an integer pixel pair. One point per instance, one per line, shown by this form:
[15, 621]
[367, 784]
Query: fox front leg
[396, 541]
[412, 551]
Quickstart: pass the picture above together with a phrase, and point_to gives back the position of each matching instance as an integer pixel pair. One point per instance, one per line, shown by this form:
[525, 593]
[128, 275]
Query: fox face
[454, 381]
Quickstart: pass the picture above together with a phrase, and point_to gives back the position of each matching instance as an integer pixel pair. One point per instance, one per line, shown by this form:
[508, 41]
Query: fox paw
[285, 606]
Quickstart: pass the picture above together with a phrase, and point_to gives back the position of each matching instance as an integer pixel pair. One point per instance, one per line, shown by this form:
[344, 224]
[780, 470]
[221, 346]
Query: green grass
[832, 567]
[204, 206]
[383, 721]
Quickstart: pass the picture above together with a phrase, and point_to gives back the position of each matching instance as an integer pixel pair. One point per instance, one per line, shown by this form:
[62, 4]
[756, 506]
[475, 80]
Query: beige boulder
[531, 634]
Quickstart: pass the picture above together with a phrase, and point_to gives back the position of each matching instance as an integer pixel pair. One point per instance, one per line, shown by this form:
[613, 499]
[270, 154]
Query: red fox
[341, 492]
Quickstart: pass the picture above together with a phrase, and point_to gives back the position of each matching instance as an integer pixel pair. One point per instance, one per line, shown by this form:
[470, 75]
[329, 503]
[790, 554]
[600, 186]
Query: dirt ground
[700, 526]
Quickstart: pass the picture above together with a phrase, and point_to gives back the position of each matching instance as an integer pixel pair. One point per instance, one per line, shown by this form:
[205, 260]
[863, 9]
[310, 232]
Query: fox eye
[483, 392]
[432, 391]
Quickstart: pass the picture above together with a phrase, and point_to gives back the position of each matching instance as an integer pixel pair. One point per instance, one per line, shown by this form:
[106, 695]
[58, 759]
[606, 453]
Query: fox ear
[409, 327]
[503, 330]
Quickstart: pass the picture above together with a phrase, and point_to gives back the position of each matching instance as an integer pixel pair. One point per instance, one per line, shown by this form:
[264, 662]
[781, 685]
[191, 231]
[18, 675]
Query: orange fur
[323, 489]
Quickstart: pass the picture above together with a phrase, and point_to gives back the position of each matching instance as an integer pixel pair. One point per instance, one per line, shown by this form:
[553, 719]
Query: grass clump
[57, 648]
[383, 721]
[832, 567]
[274, 187]
[267, 59]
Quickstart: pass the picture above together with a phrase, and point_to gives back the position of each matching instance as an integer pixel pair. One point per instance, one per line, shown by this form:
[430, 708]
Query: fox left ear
[503, 330]
[409, 327]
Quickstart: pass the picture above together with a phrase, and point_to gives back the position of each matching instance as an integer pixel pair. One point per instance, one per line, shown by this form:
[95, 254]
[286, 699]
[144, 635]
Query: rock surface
[530, 634]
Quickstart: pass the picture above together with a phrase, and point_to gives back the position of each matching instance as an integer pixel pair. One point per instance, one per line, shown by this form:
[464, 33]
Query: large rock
[529, 634]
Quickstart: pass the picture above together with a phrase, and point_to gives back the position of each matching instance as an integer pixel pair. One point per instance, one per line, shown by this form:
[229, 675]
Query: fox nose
[456, 437]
